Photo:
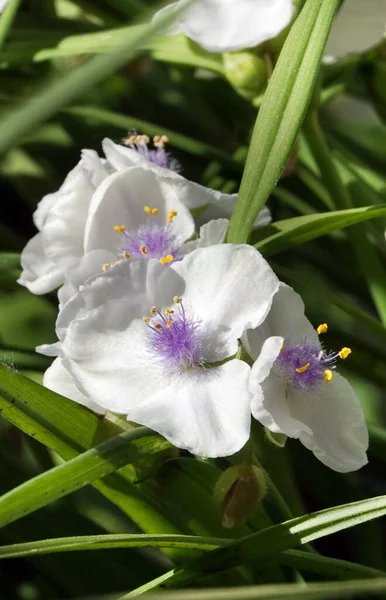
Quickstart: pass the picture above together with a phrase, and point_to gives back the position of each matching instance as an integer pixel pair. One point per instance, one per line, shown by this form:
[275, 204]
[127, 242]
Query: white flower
[163, 370]
[297, 391]
[60, 219]
[65, 219]
[227, 25]
[359, 25]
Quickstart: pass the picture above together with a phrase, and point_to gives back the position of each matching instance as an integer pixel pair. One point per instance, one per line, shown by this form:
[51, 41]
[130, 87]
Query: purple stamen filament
[150, 240]
[175, 339]
[305, 365]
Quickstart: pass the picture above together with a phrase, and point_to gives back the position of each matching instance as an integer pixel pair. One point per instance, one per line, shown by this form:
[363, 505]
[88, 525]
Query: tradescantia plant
[200, 176]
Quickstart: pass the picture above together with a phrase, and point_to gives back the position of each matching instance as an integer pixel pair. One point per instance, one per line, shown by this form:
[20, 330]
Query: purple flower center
[175, 338]
[159, 156]
[151, 241]
[305, 365]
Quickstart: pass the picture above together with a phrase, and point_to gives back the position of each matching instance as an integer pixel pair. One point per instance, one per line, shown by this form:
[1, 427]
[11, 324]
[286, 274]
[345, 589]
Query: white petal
[358, 27]
[263, 218]
[59, 380]
[40, 275]
[222, 207]
[130, 284]
[204, 411]
[90, 264]
[49, 349]
[61, 217]
[106, 355]
[120, 200]
[272, 406]
[121, 158]
[338, 434]
[211, 234]
[43, 209]
[230, 289]
[225, 25]
[286, 319]
[269, 398]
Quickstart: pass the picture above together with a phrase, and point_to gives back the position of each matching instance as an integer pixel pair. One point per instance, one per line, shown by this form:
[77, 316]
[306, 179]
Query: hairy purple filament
[157, 239]
[158, 156]
[176, 340]
[292, 358]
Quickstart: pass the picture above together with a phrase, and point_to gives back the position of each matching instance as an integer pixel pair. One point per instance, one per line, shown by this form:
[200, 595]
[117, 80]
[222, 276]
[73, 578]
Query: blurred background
[208, 123]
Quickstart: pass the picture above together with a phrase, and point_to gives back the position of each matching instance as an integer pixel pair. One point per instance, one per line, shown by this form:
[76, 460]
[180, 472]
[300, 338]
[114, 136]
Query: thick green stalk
[282, 112]
[365, 253]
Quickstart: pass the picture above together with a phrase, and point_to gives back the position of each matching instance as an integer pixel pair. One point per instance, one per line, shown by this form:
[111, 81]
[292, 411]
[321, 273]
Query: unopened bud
[239, 490]
[246, 72]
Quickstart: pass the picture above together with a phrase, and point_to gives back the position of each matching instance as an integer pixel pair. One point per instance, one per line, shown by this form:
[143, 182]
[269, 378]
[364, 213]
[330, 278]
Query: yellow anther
[177, 300]
[126, 255]
[172, 214]
[150, 211]
[146, 320]
[158, 326]
[282, 348]
[105, 267]
[303, 368]
[169, 323]
[327, 376]
[159, 141]
[323, 328]
[153, 310]
[143, 250]
[344, 353]
[164, 260]
[119, 228]
[168, 312]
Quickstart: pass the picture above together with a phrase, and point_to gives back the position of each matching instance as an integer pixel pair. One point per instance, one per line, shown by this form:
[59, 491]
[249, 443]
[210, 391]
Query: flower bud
[246, 72]
[239, 490]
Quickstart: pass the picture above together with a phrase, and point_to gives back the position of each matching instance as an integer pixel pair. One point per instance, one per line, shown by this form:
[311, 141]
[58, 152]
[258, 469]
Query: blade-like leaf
[292, 232]
[64, 90]
[80, 471]
[271, 541]
[296, 591]
[305, 561]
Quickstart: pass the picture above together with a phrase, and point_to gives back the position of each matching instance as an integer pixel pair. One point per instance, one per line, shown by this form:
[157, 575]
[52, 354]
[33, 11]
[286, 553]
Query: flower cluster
[155, 320]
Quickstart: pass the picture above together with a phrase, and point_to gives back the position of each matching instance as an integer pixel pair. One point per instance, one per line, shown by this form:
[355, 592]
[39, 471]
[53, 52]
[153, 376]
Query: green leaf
[66, 88]
[306, 561]
[289, 233]
[270, 541]
[80, 471]
[295, 591]
[176, 49]
[282, 111]
[57, 422]
[109, 541]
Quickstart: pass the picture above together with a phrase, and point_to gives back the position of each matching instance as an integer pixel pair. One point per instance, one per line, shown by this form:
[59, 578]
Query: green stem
[365, 253]
[6, 19]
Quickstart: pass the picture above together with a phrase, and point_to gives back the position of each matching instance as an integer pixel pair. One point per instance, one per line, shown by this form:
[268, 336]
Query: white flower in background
[146, 342]
[136, 152]
[227, 25]
[296, 390]
[359, 25]
[64, 219]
